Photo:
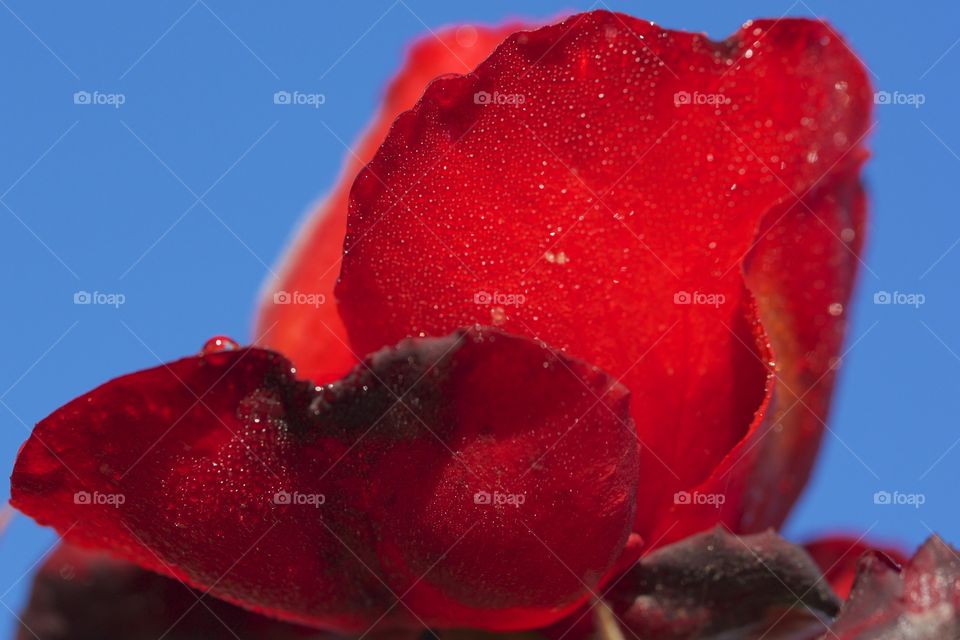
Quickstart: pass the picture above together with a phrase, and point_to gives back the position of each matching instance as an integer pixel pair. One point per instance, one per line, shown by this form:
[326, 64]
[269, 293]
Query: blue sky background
[181, 198]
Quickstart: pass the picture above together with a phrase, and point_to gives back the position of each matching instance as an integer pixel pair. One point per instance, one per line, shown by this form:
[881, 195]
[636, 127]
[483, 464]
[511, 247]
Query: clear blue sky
[182, 197]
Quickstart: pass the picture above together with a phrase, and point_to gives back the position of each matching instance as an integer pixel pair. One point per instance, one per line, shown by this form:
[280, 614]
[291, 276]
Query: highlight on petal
[599, 184]
[297, 313]
[436, 484]
[87, 595]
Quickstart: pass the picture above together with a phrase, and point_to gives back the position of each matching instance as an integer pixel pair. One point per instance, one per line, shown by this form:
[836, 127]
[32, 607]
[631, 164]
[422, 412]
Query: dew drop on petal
[217, 344]
[466, 36]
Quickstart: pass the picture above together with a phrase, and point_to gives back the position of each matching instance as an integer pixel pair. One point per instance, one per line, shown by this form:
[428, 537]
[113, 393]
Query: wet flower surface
[590, 283]
[338, 499]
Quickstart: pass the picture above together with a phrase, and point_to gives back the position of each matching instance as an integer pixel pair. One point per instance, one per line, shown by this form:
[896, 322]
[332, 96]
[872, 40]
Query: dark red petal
[87, 595]
[838, 557]
[802, 272]
[918, 602]
[717, 585]
[569, 190]
[297, 315]
[457, 499]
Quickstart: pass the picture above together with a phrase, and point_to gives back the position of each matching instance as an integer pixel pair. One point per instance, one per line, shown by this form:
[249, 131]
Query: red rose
[683, 215]
[663, 231]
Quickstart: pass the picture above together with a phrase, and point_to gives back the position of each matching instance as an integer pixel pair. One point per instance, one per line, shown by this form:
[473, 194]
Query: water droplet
[835, 309]
[556, 258]
[466, 36]
[217, 344]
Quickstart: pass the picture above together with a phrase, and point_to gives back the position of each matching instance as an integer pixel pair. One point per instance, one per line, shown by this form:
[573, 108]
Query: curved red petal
[598, 184]
[87, 595]
[916, 601]
[444, 473]
[839, 556]
[297, 314]
[802, 271]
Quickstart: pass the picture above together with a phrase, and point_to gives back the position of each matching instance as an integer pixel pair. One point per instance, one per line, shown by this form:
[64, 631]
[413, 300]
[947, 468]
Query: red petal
[580, 199]
[193, 469]
[838, 557]
[916, 602]
[313, 333]
[802, 271]
[86, 595]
